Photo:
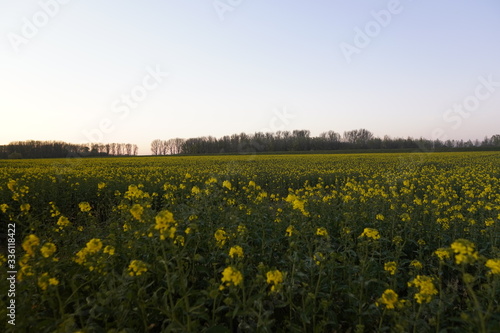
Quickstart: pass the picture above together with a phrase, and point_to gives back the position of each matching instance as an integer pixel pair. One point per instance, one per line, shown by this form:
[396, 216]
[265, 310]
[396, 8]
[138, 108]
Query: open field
[267, 243]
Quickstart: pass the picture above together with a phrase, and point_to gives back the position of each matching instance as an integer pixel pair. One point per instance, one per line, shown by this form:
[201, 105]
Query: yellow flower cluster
[220, 237]
[48, 249]
[44, 281]
[236, 251]
[134, 192]
[416, 264]
[322, 232]
[165, 224]
[137, 267]
[275, 279]
[30, 243]
[370, 233]
[426, 288]
[84, 207]
[390, 299]
[231, 276]
[137, 211]
[92, 255]
[390, 267]
[494, 265]
[443, 253]
[464, 251]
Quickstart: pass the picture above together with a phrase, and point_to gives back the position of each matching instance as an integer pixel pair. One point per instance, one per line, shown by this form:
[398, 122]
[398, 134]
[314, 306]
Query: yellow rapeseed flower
[464, 251]
[390, 267]
[236, 251]
[226, 184]
[109, 250]
[84, 206]
[48, 249]
[63, 221]
[4, 207]
[321, 232]
[25, 207]
[426, 288]
[195, 190]
[494, 265]
[370, 233]
[274, 278]
[137, 211]
[231, 276]
[442, 253]
[30, 242]
[389, 298]
[417, 264]
[137, 267]
[290, 230]
[221, 237]
[94, 245]
[44, 281]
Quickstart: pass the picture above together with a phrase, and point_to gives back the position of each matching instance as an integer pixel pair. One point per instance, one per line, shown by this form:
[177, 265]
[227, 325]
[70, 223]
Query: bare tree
[156, 147]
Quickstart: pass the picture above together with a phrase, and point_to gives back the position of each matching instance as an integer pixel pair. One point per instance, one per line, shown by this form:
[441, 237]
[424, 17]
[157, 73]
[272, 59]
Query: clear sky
[81, 71]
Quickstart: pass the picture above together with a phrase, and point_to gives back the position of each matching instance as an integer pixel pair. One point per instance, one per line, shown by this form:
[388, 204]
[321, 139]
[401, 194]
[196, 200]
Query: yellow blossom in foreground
[494, 265]
[221, 237]
[48, 249]
[44, 281]
[426, 288]
[389, 298]
[25, 207]
[370, 233]
[390, 267]
[94, 245]
[165, 224]
[109, 250]
[417, 264]
[380, 217]
[236, 251]
[137, 267]
[290, 230]
[464, 251]
[321, 232]
[195, 190]
[84, 206]
[442, 253]
[101, 185]
[63, 221]
[275, 278]
[226, 184]
[4, 207]
[137, 211]
[30, 242]
[231, 276]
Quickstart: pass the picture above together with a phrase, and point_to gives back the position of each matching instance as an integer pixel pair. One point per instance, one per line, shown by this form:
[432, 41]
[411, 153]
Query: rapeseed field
[267, 243]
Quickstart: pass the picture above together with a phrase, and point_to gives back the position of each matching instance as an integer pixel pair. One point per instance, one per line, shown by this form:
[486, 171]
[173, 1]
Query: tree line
[301, 140]
[59, 149]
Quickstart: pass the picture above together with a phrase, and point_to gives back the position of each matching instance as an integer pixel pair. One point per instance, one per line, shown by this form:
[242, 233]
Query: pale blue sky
[232, 75]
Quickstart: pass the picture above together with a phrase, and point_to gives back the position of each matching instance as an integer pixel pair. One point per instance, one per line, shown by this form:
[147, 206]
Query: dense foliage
[289, 243]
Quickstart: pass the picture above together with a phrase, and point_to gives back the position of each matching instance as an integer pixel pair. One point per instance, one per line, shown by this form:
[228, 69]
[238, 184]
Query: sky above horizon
[132, 72]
